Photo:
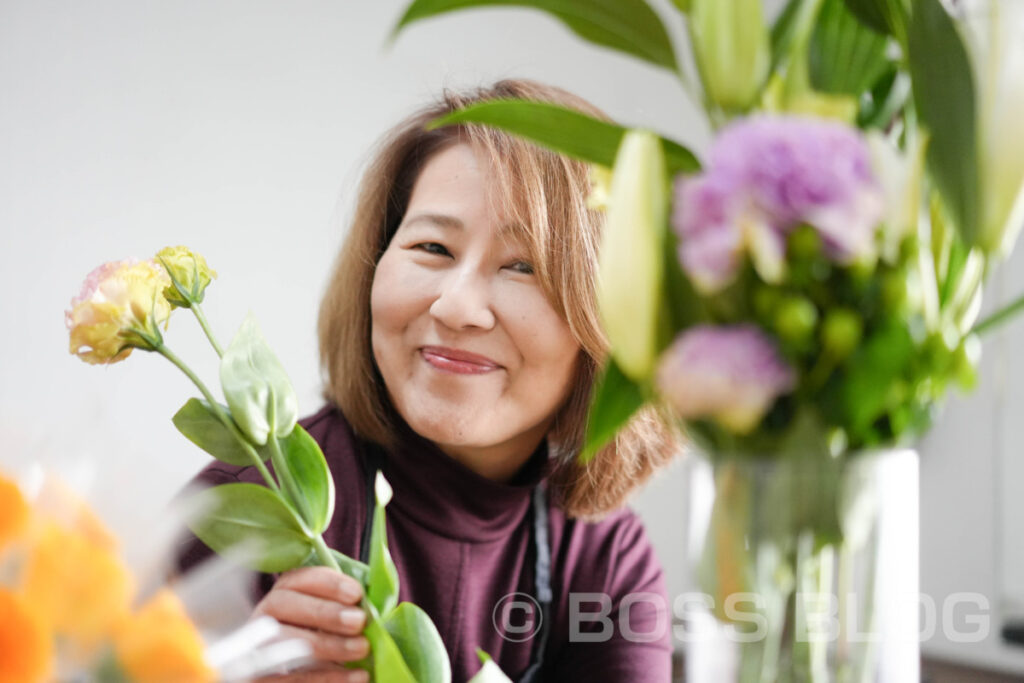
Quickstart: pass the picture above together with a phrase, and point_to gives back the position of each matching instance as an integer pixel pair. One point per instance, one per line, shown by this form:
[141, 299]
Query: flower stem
[326, 556]
[201, 317]
[221, 415]
[1001, 316]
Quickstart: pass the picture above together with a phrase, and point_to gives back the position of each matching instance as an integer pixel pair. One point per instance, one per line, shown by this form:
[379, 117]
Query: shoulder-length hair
[546, 194]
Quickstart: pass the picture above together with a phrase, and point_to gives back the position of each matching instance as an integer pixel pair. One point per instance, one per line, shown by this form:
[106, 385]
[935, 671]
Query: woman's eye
[522, 267]
[432, 248]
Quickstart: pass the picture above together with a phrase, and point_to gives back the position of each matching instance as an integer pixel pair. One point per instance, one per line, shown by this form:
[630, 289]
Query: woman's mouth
[457, 361]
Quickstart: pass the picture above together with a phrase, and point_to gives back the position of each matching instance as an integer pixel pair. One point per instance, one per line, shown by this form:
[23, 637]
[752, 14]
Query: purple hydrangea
[767, 175]
[731, 374]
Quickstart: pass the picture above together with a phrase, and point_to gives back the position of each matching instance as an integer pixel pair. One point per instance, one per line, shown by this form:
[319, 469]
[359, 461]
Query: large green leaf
[845, 57]
[311, 475]
[383, 588]
[256, 386]
[563, 130]
[884, 16]
[233, 514]
[615, 399]
[629, 26]
[419, 642]
[387, 663]
[197, 422]
[945, 95]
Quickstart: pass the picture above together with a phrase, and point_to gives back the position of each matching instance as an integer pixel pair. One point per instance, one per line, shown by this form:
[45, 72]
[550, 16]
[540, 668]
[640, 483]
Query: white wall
[240, 128]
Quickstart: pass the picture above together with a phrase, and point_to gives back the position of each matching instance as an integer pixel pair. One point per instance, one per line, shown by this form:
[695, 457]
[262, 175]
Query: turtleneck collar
[450, 499]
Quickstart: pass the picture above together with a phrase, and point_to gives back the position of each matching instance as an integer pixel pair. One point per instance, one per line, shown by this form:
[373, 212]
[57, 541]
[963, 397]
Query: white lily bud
[630, 263]
[994, 33]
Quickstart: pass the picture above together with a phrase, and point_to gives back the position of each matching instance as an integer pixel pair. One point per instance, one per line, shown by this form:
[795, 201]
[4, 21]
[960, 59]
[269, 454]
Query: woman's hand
[320, 606]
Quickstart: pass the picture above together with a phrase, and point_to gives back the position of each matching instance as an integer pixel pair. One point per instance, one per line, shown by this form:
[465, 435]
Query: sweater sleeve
[623, 633]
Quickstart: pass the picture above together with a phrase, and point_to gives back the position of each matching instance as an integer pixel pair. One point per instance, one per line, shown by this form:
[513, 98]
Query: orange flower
[159, 644]
[13, 512]
[80, 587]
[26, 648]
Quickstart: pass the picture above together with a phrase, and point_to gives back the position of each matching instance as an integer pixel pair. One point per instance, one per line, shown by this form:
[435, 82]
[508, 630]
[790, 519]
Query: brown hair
[546, 194]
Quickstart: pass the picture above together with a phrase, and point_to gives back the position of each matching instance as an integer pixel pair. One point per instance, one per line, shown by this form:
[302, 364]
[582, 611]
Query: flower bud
[189, 275]
[841, 332]
[630, 261]
[795, 320]
[732, 48]
[993, 30]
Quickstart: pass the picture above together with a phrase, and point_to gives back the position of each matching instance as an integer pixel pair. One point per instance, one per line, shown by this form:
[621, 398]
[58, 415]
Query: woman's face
[474, 357]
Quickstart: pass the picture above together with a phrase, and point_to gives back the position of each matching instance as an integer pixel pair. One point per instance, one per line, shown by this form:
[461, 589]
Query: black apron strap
[542, 583]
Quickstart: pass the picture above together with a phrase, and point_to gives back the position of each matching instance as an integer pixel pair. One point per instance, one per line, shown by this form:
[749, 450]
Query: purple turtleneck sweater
[462, 543]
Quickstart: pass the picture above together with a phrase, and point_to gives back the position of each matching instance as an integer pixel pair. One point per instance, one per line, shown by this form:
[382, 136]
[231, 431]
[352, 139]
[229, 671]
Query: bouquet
[809, 289]
[127, 305]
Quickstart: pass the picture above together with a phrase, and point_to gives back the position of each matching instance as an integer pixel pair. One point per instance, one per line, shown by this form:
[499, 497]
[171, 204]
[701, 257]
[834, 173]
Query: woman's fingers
[330, 647]
[319, 674]
[322, 582]
[300, 609]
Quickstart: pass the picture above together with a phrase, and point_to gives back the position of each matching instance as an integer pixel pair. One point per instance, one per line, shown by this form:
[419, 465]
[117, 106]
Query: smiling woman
[460, 339]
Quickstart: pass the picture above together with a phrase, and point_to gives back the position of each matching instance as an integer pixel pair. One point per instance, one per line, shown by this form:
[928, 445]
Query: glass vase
[806, 568]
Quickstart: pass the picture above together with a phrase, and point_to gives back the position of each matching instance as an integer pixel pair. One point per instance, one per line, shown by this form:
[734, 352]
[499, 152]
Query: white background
[240, 129]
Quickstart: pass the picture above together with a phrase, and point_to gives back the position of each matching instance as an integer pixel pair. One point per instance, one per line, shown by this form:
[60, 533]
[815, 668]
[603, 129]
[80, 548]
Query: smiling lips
[460, 362]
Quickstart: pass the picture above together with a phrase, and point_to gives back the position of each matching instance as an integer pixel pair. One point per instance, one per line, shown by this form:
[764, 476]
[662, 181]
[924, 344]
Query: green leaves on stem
[628, 26]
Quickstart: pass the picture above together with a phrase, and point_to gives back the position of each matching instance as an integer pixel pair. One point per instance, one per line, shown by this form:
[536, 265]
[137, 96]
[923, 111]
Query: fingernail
[356, 644]
[352, 590]
[352, 617]
[359, 677]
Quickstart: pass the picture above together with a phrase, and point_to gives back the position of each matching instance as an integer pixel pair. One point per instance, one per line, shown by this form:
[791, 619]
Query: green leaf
[845, 57]
[312, 477]
[563, 130]
[629, 26]
[784, 31]
[388, 664]
[682, 5]
[888, 95]
[883, 16]
[233, 514]
[873, 371]
[615, 400]
[945, 95]
[256, 386]
[200, 426]
[383, 589]
[419, 642]
[490, 672]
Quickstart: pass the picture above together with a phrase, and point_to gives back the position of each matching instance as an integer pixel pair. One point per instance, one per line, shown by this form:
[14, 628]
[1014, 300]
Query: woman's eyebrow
[443, 220]
[439, 219]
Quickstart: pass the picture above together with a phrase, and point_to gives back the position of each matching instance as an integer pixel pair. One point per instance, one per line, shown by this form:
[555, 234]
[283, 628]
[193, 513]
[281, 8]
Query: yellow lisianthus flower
[80, 588]
[26, 647]
[14, 512]
[189, 275]
[120, 307]
[159, 644]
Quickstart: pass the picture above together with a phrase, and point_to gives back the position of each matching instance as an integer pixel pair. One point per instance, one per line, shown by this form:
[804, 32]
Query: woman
[460, 340]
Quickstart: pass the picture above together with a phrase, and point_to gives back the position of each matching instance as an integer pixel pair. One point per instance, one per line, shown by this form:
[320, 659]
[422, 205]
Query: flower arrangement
[809, 289]
[125, 305]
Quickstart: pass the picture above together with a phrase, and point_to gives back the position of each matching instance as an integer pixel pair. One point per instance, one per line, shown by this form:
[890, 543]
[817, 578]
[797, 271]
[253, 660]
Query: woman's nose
[464, 301]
